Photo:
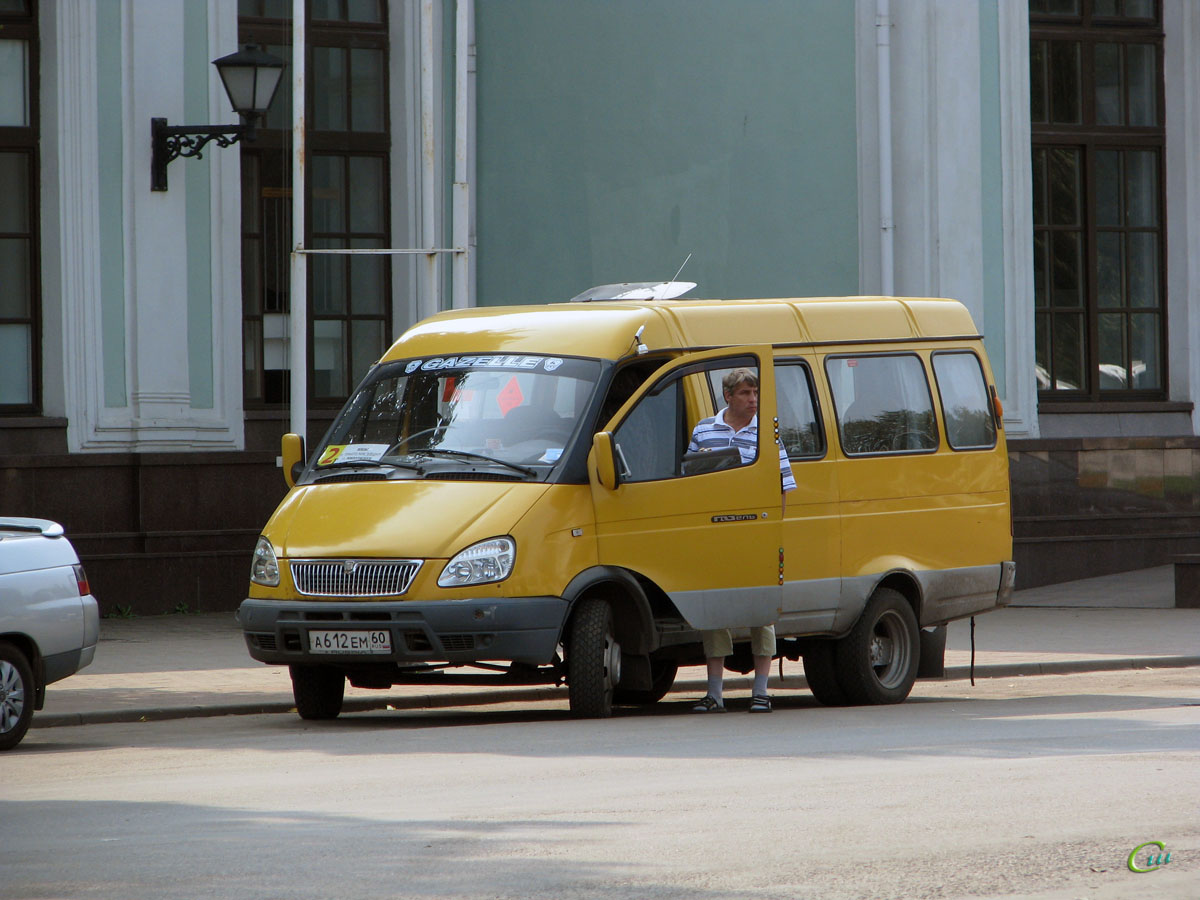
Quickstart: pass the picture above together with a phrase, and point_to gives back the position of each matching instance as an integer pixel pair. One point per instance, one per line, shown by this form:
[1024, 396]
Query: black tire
[877, 661]
[662, 675]
[318, 691]
[17, 693]
[821, 676]
[593, 661]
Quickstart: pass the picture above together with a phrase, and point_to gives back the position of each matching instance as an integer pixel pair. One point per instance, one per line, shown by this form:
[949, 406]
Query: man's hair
[734, 379]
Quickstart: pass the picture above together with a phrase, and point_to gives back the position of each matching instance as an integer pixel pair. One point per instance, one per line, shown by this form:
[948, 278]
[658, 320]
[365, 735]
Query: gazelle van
[508, 498]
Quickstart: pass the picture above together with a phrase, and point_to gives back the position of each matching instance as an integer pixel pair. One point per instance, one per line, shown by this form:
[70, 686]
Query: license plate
[357, 641]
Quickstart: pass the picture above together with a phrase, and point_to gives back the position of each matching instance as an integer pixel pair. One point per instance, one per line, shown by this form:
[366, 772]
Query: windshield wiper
[357, 463]
[525, 470]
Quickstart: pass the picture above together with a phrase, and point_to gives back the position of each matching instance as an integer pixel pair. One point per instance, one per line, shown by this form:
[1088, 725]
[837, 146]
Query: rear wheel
[16, 695]
[820, 674]
[877, 661]
[593, 660]
[318, 690]
[662, 675]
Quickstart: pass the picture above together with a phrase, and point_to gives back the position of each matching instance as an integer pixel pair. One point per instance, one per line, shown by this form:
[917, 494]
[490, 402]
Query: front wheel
[16, 695]
[318, 691]
[877, 661]
[593, 661]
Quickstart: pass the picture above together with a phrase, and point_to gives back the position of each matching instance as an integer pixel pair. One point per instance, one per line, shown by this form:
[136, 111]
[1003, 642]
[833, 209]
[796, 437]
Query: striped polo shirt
[713, 434]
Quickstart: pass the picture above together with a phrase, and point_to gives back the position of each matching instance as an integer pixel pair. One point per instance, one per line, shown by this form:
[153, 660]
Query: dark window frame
[320, 33]
[25, 140]
[1089, 139]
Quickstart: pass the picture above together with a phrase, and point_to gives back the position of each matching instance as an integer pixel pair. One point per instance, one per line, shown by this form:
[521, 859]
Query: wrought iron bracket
[170, 142]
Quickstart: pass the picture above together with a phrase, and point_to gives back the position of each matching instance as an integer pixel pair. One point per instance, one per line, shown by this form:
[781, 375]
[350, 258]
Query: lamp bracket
[170, 142]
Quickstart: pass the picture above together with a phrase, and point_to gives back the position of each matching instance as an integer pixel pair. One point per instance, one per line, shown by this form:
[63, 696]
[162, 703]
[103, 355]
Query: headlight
[264, 569]
[490, 560]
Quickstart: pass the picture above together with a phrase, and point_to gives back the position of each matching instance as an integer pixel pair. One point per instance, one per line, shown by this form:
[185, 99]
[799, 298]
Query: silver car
[49, 620]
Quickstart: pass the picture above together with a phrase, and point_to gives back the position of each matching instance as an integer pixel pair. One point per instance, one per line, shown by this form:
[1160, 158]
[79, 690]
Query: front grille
[354, 577]
[264, 641]
[452, 642]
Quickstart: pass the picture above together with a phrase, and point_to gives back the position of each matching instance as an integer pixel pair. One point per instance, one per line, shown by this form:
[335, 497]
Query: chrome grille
[354, 577]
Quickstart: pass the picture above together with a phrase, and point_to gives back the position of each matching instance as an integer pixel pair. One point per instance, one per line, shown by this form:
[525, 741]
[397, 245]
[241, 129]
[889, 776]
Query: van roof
[607, 329]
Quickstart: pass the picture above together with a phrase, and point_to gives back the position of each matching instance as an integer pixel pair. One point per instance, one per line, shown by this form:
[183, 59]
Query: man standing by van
[737, 426]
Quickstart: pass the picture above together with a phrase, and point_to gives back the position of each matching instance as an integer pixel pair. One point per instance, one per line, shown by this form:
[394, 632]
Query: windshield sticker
[510, 396]
[352, 453]
[549, 364]
[551, 455]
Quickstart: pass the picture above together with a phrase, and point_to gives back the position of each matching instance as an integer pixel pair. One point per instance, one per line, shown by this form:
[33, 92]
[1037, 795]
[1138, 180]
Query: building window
[348, 189]
[1096, 79]
[20, 290]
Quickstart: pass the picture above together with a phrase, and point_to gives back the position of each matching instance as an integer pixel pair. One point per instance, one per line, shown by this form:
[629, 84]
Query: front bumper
[512, 629]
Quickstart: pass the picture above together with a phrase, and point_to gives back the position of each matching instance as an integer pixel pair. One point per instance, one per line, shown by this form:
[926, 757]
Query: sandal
[709, 704]
[760, 703]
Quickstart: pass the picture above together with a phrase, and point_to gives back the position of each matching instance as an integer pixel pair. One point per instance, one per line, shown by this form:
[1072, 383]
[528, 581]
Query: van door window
[965, 407]
[883, 404]
[653, 440]
[799, 426]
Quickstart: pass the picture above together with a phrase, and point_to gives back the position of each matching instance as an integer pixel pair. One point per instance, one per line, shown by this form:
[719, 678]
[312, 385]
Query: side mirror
[606, 465]
[293, 458]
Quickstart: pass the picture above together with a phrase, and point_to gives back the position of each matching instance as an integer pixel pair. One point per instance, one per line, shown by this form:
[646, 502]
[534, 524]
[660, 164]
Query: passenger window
[883, 404]
[965, 407]
[661, 439]
[799, 428]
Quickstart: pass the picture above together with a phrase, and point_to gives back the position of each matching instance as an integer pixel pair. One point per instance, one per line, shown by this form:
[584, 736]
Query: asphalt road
[1029, 787]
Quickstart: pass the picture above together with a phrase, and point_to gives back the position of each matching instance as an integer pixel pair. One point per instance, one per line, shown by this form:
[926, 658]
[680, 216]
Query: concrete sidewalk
[175, 666]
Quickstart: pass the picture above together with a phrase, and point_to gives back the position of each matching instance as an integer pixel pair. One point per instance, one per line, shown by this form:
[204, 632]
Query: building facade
[1033, 158]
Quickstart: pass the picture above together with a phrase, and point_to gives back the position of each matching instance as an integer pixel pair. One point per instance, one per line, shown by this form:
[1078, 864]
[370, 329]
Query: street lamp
[251, 77]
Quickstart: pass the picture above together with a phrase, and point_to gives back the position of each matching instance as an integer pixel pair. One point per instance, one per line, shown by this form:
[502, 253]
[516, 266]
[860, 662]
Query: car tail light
[82, 581]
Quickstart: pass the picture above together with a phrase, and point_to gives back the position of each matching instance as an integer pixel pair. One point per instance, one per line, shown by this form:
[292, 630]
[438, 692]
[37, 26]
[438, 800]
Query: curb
[510, 695]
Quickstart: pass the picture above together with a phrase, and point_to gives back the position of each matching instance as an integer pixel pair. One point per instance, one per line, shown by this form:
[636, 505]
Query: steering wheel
[550, 433]
[416, 434]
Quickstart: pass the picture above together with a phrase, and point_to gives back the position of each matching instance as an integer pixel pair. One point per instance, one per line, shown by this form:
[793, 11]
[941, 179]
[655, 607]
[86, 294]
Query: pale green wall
[197, 181]
[991, 185]
[109, 156]
[615, 137]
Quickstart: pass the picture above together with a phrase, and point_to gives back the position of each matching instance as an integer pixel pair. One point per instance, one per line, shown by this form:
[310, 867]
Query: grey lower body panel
[950, 594]
[729, 607]
[511, 629]
[832, 605]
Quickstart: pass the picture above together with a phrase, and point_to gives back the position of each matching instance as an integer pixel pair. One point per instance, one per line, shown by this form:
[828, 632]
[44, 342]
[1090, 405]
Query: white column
[156, 327]
[1020, 398]
[1181, 24]
[298, 323]
[77, 219]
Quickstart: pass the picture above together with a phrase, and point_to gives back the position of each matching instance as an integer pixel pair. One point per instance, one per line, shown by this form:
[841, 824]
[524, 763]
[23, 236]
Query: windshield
[510, 415]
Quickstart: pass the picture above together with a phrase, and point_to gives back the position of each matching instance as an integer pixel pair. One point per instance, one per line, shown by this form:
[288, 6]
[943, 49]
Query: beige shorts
[720, 642]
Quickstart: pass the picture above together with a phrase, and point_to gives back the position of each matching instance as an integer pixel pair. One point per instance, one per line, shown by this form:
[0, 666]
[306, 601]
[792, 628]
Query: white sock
[760, 684]
[716, 685]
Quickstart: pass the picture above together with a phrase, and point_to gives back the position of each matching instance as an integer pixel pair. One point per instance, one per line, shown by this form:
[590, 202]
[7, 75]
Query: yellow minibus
[508, 498]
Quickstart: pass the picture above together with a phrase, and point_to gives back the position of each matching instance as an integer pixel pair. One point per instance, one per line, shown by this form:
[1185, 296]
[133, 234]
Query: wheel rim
[612, 662]
[12, 697]
[890, 650]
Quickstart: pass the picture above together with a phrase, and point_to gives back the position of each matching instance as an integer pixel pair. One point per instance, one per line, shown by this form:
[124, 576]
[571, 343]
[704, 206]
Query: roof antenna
[685, 262]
